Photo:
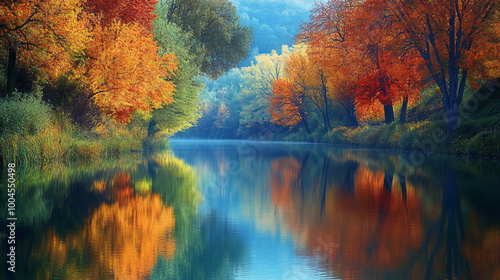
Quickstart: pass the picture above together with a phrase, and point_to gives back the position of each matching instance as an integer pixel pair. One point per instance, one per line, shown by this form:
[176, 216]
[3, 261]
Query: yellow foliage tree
[44, 34]
[125, 72]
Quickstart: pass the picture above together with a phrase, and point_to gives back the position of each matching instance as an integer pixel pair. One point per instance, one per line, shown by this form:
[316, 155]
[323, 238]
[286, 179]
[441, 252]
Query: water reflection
[112, 220]
[354, 214]
[360, 221]
[368, 221]
[242, 210]
[122, 239]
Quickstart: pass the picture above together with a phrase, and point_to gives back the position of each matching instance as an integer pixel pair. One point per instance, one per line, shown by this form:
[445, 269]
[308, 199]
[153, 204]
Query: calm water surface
[248, 210]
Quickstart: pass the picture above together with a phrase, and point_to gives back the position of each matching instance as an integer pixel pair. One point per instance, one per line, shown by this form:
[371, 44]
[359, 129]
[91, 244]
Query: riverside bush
[31, 132]
[24, 114]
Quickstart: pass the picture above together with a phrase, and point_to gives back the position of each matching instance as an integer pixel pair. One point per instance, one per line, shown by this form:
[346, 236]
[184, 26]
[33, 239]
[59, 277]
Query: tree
[357, 45]
[328, 35]
[258, 80]
[446, 33]
[182, 113]
[125, 73]
[288, 104]
[408, 80]
[43, 35]
[373, 34]
[312, 79]
[216, 25]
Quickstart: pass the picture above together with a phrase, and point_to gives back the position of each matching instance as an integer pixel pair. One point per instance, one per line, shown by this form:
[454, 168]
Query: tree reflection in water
[355, 214]
[122, 239]
[371, 221]
[448, 232]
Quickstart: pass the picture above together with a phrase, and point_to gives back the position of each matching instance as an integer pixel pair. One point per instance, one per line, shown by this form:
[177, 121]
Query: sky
[275, 22]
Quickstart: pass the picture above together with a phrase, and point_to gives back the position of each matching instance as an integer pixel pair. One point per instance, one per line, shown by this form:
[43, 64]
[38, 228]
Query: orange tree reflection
[122, 239]
[361, 230]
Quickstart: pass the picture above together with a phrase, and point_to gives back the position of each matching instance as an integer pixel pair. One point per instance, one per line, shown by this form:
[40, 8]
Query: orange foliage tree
[311, 78]
[372, 37]
[123, 69]
[447, 34]
[368, 65]
[43, 34]
[328, 35]
[125, 72]
[288, 104]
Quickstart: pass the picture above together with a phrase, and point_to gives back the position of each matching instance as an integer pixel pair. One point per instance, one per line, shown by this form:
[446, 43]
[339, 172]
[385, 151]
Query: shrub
[336, 135]
[23, 114]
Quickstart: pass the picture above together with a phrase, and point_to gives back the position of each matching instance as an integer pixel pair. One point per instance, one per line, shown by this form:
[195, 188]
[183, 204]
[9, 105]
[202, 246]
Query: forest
[85, 79]
[411, 75]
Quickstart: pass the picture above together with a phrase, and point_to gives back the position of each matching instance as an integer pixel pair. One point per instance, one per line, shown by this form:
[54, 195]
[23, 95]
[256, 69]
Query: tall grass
[31, 132]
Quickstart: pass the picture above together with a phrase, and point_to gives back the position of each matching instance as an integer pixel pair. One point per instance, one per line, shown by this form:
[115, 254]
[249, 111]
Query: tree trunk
[451, 118]
[325, 121]
[389, 113]
[351, 115]
[11, 71]
[402, 115]
[147, 144]
[324, 93]
[327, 117]
[306, 125]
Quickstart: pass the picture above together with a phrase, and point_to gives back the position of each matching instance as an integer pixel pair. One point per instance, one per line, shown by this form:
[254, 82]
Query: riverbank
[32, 132]
[57, 143]
[477, 134]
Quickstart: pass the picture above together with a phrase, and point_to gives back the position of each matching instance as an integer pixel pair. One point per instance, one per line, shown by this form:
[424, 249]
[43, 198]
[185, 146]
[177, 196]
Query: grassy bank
[478, 132]
[32, 132]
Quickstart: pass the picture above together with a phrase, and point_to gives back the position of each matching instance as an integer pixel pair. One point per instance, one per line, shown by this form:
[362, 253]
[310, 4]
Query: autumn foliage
[123, 82]
[107, 46]
[45, 34]
[286, 104]
[381, 51]
[127, 11]
[368, 68]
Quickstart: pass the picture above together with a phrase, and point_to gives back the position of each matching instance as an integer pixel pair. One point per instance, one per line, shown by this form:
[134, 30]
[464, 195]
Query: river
[209, 209]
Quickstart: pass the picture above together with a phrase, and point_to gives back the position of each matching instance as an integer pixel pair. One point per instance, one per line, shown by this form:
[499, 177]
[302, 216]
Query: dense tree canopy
[183, 112]
[106, 61]
[216, 26]
[140, 11]
[122, 82]
[42, 34]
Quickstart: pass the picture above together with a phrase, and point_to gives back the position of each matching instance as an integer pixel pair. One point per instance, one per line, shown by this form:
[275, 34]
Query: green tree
[216, 26]
[258, 79]
[183, 112]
